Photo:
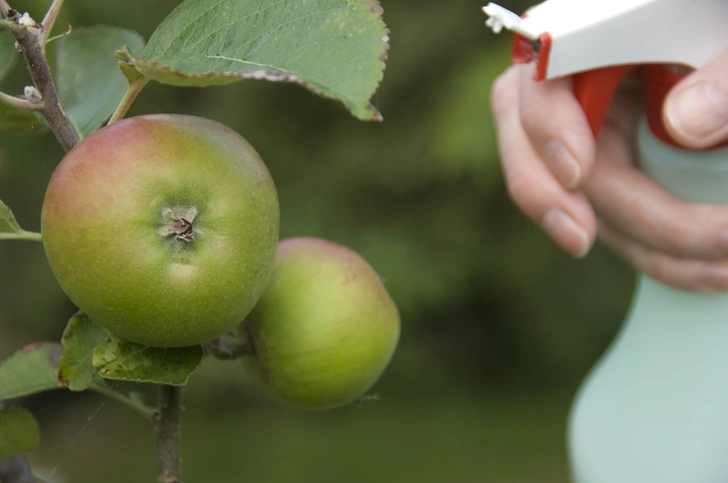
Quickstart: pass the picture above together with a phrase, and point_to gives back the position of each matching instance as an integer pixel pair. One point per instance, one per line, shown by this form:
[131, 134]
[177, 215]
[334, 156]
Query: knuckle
[523, 191]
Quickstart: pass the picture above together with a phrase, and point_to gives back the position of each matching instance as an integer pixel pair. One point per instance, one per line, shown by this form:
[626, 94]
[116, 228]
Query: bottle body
[655, 407]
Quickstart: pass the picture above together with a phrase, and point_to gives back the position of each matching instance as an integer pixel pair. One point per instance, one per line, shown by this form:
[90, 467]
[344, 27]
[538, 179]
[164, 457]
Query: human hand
[575, 187]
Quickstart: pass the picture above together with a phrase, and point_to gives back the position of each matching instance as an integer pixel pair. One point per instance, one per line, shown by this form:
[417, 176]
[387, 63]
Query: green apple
[325, 328]
[162, 228]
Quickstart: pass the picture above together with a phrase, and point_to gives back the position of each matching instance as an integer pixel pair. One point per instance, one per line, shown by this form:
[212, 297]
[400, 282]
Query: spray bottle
[655, 407]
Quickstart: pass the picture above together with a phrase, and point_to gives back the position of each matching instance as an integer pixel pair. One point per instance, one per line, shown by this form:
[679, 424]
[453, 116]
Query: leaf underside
[90, 85]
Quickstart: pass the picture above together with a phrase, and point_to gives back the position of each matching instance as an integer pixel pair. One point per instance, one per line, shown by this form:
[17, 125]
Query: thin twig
[50, 18]
[139, 408]
[13, 27]
[16, 470]
[131, 92]
[60, 36]
[19, 103]
[169, 456]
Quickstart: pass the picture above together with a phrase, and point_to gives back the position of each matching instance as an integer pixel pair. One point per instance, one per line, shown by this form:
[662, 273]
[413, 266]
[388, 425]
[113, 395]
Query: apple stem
[169, 455]
[132, 91]
[16, 470]
[22, 235]
[31, 40]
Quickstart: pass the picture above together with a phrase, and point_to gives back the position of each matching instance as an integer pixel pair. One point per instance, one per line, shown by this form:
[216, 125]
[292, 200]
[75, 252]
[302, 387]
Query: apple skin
[325, 328]
[110, 225]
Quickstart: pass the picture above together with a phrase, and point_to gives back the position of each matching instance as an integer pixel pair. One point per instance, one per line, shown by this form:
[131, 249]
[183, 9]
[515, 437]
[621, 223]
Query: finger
[566, 216]
[630, 201]
[698, 275]
[557, 127]
[696, 109]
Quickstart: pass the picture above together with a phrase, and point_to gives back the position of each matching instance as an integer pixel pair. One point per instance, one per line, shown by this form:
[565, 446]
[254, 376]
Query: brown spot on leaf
[62, 383]
[375, 7]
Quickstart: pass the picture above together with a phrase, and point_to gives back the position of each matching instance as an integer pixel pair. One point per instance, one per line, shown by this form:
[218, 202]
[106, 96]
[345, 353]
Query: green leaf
[8, 54]
[9, 227]
[8, 223]
[18, 121]
[127, 361]
[30, 370]
[89, 82]
[19, 432]
[82, 335]
[335, 48]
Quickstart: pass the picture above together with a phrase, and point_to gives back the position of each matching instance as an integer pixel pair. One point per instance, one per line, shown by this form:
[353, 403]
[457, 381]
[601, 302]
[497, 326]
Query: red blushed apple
[162, 228]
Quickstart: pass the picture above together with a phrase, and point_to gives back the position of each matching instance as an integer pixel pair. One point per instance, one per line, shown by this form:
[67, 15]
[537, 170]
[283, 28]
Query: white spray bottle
[655, 407]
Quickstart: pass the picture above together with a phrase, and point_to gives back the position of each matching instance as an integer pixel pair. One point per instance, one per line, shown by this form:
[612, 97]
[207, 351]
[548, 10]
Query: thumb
[696, 109]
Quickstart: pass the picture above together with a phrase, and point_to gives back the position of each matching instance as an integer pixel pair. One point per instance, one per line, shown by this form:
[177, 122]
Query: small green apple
[162, 228]
[324, 329]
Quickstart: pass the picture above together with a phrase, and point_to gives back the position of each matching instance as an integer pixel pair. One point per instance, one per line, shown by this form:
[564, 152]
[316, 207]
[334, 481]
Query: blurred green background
[499, 327]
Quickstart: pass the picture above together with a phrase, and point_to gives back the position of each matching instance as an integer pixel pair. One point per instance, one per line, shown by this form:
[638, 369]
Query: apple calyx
[181, 227]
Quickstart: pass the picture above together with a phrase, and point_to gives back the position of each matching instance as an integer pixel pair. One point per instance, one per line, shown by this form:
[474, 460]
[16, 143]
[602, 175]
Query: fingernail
[563, 163]
[566, 232]
[699, 111]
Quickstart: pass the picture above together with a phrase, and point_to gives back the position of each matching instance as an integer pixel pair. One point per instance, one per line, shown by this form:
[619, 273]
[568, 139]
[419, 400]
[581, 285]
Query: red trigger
[594, 90]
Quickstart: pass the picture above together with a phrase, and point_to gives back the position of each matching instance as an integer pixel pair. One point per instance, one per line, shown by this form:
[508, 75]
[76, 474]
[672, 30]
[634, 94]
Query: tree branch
[32, 46]
[16, 470]
[169, 458]
[31, 40]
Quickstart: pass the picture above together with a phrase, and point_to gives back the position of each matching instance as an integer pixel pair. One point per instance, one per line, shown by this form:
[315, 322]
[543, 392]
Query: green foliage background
[499, 326]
